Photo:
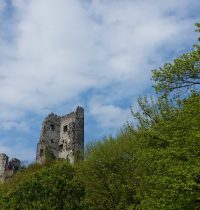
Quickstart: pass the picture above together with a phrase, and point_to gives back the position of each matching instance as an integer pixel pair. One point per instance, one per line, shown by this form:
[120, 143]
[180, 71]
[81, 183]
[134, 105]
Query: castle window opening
[41, 152]
[61, 146]
[52, 141]
[52, 127]
[65, 129]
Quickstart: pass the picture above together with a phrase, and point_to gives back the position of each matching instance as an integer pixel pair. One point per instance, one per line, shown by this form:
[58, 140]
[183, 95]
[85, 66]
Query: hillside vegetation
[152, 164]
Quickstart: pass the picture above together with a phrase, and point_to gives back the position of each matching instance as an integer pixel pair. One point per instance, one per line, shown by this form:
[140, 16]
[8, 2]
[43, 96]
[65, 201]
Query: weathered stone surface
[8, 168]
[62, 136]
[3, 166]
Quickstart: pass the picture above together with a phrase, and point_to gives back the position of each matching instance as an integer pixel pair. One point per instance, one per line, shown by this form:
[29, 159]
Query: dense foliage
[48, 187]
[154, 165]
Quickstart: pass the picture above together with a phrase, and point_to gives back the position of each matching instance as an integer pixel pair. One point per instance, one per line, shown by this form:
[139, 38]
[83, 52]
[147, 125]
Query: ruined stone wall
[62, 136]
[49, 137]
[8, 168]
[67, 136]
[3, 166]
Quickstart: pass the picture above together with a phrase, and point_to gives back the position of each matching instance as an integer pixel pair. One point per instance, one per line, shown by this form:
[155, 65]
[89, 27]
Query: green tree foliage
[49, 156]
[198, 28]
[170, 150]
[169, 134]
[109, 174]
[152, 111]
[1, 196]
[180, 76]
[50, 187]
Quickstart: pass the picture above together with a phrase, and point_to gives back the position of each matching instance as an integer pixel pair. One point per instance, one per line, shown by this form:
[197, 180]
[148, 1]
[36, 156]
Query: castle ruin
[8, 168]
[62, 137]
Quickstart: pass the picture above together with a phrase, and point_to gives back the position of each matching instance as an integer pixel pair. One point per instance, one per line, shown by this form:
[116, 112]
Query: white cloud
[59, 51]
[109, 116]
[18, 126]
[49, 51]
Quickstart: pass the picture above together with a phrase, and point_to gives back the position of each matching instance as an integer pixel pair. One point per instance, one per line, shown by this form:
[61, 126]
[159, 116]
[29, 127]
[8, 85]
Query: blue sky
[57, 54]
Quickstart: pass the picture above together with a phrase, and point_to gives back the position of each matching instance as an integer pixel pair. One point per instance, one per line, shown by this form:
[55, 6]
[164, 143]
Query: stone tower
[62, 137]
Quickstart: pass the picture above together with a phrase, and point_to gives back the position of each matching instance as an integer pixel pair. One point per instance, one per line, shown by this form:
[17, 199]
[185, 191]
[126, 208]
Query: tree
[170, 152]
[50, 187]
[181, 76]
[110, 175]
[169, 134]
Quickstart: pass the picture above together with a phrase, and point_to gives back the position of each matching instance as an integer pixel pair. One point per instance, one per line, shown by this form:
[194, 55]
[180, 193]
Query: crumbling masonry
[62, 137]
[8, 168]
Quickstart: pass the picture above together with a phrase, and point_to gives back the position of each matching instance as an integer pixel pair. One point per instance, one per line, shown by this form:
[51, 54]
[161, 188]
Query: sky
[58, 54]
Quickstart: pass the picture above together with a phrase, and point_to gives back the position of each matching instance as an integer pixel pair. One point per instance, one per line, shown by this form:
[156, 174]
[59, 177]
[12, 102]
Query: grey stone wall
[3, 166]
[8, 168]
[63, 137]
[49, 137]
